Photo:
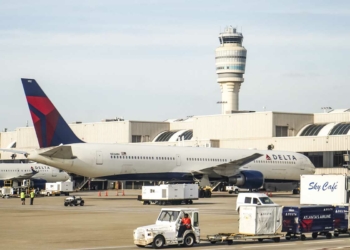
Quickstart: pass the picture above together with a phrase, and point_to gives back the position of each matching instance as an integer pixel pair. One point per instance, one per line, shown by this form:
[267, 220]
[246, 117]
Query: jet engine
[248, 179]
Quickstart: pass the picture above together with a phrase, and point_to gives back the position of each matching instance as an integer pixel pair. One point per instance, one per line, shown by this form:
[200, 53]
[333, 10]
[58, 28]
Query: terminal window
[281, 131]
[136, 138]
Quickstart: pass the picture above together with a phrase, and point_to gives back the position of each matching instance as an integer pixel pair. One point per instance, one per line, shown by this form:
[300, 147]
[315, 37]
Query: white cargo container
[257, 220]
[324, 189]
[6, 192]
[56, 188]
[169, 194]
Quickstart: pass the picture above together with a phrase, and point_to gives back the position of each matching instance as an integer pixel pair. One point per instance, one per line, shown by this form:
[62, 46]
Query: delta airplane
[61, 148]
[38, 172]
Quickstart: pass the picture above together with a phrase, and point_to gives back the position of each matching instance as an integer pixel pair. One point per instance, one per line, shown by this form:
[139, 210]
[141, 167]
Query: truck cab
[165, 231]
[258, 199]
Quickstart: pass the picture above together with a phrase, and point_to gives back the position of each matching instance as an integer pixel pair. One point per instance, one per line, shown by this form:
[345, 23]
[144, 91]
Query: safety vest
[32, 194]
[186, 222]
[23, 195]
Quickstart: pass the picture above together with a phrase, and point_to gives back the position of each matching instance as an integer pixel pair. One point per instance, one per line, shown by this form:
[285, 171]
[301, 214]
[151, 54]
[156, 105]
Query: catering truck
[324, 189]
[172, 194]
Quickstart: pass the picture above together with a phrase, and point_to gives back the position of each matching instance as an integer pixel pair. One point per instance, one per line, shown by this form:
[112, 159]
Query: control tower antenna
[230, 59]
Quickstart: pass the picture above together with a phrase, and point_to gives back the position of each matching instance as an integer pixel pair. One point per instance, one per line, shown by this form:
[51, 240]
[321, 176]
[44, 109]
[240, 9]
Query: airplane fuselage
[148, 162]
[19, 171]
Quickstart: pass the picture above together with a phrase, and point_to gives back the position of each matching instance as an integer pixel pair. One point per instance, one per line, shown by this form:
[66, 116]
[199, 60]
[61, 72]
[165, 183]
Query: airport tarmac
[107, 222]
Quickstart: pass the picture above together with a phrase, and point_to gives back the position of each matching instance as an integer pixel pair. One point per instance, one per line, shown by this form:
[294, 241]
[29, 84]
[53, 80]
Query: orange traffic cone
[123, 193]
[106, 193]
[99, 193]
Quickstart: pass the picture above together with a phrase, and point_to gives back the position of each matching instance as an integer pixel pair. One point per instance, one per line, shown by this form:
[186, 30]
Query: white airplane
[39, 173]
[60, 147]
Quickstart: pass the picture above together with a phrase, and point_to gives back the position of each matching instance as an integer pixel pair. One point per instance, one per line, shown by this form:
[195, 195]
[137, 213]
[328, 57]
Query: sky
[155, 60]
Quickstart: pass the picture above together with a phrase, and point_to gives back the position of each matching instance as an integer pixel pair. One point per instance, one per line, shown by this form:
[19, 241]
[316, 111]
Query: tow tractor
[165, 231]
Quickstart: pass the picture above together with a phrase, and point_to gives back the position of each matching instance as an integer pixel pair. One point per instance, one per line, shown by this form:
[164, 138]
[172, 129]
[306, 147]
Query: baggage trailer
[298, 220]
[256, 222]
[229, 238]
[169, 194]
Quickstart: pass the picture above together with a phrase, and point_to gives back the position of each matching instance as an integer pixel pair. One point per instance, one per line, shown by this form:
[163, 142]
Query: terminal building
[323, 137]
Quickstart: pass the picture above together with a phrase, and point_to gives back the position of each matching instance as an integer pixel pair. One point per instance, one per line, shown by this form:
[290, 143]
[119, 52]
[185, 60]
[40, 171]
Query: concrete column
[328, 161]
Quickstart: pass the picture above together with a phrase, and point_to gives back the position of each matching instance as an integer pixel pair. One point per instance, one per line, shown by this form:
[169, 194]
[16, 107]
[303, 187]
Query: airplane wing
[61, 152]
[229, 168]
[22, 176]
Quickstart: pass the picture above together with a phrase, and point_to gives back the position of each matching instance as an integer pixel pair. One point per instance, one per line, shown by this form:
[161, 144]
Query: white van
[258, 199]
[235, 189]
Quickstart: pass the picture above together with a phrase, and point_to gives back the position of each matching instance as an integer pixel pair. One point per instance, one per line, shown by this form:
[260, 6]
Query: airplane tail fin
[50, 127]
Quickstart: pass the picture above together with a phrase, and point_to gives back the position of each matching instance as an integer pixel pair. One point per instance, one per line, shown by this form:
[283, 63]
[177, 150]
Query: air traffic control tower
[230, 58]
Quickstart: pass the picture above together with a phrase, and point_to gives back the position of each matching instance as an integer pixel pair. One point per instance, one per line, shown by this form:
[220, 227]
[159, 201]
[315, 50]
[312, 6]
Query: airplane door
[54, 174]
[99, 159]
[178, 160]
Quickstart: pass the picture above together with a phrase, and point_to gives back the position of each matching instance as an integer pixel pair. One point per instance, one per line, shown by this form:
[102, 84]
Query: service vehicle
[6, 192]
[259, 199]
[73, 201]
[169, 194]
[57, 188]
[165, 231]
[314, 189]
[341, 220]
[235, 189]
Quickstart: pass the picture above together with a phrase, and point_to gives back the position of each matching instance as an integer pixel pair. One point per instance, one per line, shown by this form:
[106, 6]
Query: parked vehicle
[235, 189]
[73, 201]
[259, 199]
[169, 194]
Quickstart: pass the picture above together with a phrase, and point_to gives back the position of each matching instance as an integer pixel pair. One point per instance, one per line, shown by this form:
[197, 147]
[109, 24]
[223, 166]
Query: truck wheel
[230, 192]
[314, 235]
[82, 203]
[65, 204]
[288, 236]
[329, 236]
[189, 240]
[158, 242]
[303, 237]
[236, 191]
[277, 239]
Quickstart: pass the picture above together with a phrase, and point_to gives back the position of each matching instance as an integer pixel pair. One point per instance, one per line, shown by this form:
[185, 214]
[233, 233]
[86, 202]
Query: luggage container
[255, 223]
[341, 220]
[255, 220]
[317, 220]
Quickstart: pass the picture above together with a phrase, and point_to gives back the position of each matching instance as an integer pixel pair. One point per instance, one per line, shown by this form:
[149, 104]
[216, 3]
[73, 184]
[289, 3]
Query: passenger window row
[206, 159]
[142, 158]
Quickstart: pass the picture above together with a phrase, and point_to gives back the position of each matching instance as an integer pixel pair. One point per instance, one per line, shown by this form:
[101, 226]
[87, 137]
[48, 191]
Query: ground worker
[23, 197]
[185, 224]
[32, 195]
